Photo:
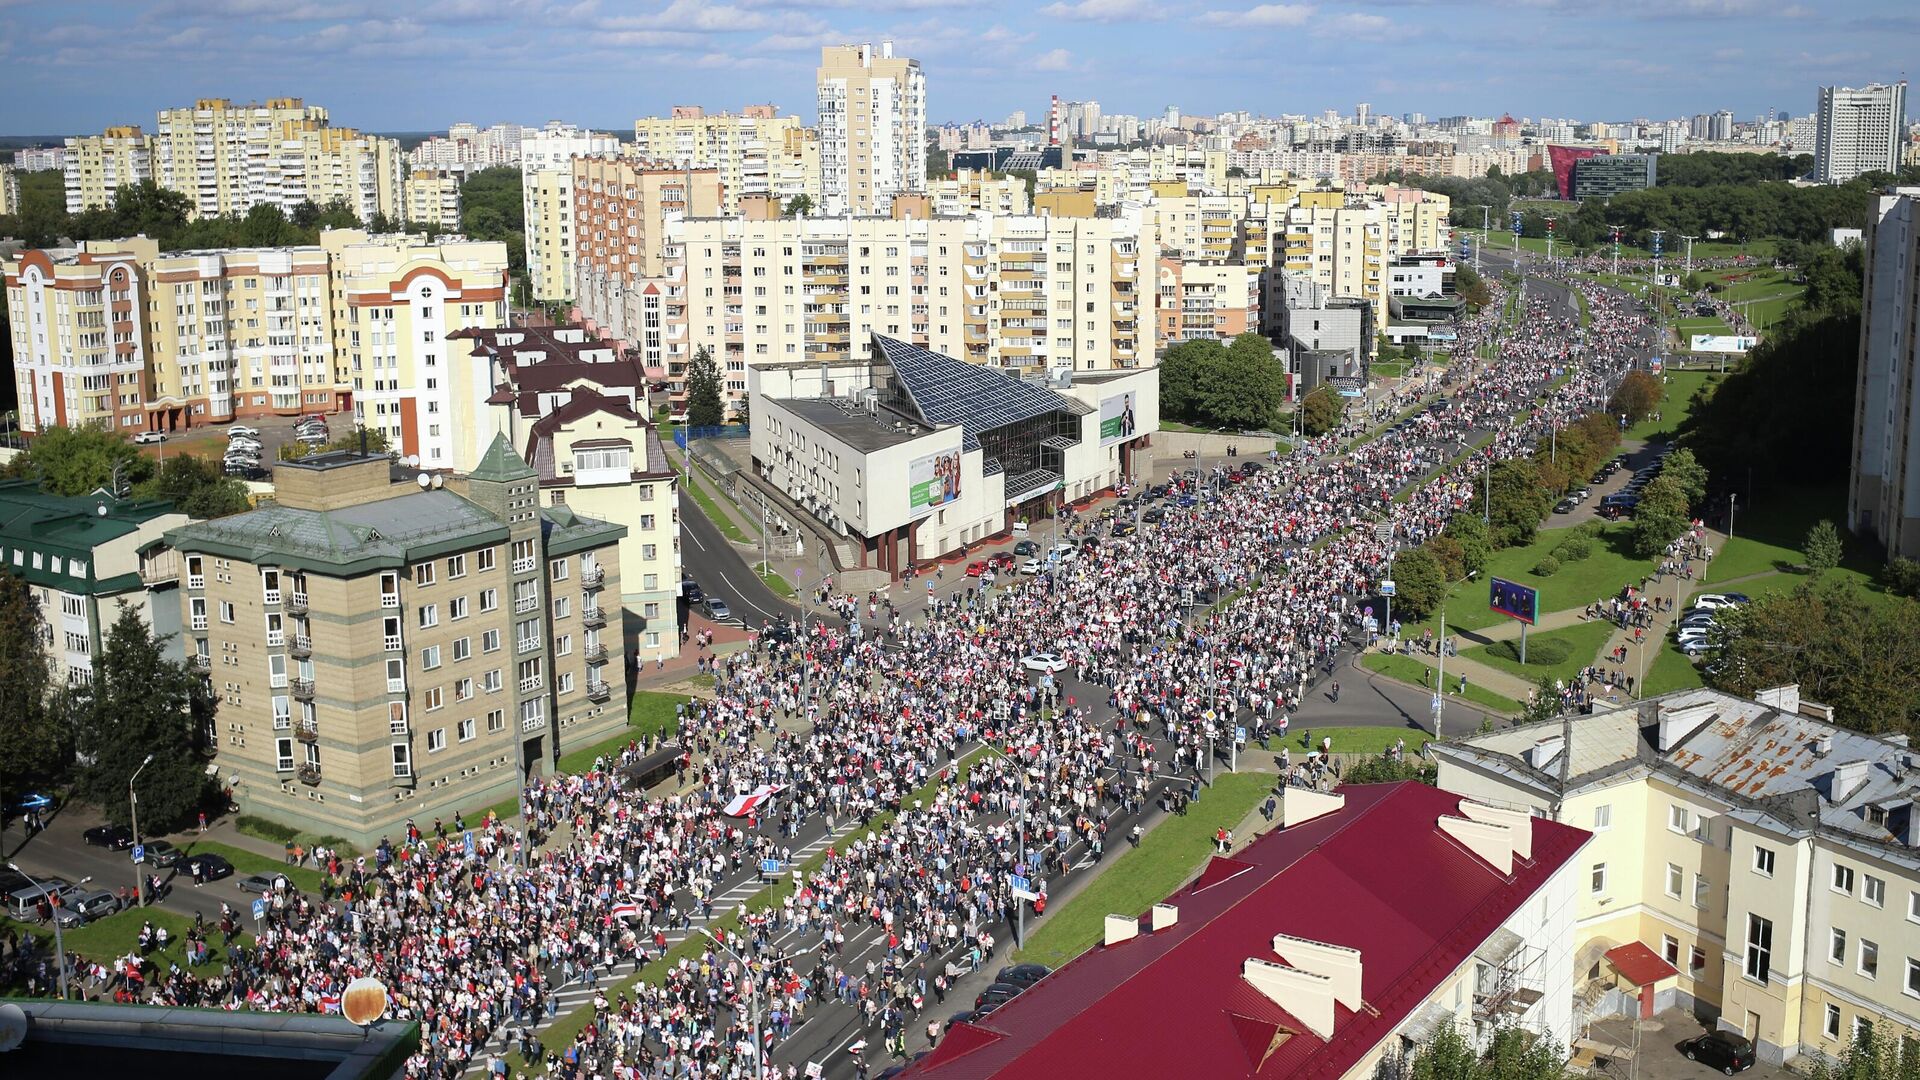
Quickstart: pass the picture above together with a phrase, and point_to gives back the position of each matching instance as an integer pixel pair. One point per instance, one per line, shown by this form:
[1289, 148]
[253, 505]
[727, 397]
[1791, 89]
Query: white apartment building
[1884, 491]
[873, 124]
[1859, 130]
[546, 176]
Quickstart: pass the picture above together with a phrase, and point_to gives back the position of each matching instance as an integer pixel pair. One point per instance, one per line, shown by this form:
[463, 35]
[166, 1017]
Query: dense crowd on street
[908, 732]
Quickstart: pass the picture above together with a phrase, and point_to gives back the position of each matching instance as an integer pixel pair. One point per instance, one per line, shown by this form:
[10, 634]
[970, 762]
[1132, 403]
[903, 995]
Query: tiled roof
[1378, 876]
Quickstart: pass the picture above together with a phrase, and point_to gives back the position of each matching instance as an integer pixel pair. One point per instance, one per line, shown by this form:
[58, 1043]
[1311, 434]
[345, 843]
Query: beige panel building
[746, 149]
[546, 181]
[382, 650]
[972, 191]
[621, 210]
[1198, 228]
[432, 200]
[324, 165]
[9, 191]
[1195, 300]
[396, 300]
[1771, 857]
[98, 165]
[221, 155]
[873, 127]
[80, 344]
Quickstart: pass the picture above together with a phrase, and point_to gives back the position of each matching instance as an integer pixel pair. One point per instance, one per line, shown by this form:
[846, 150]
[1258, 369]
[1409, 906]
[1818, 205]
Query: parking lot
[211, 441]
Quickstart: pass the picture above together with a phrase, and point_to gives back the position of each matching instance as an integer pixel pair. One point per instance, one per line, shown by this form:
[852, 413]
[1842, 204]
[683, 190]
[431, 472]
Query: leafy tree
[1873, 1055]
[798, 207]
[1419, 583]
[1545, 704]
[1237, 385]
[196, 487]
[1321, 410]
[142, 701]
[1519, 503]
[1471, 287]
[938, 163]
[1637, 396]
[1471, 534]
[1453, 558]
[78, 461]
[37, 744]
[1663, 496]
[1512, 1054]
[1822, 546]
[1235, 172]
[1654, 529]
[705, 408]
[1687, 473]
[147, 209]
[266, 226]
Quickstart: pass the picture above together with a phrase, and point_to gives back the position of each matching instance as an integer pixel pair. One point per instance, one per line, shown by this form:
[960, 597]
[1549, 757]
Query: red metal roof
[1640, 965]
[1378, 876]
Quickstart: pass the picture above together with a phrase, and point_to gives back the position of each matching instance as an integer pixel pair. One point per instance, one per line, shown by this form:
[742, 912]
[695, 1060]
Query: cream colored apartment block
[382, 650]
[98, 165]
[795, 170]
[1199, 228]
[1771, 857]
[221, 155]
[325, 165]
[746, 149]
[1033, 293]
[546, 181]
[873, 122]
[395, 300]
[1196, 300]
[432, 200]
[621, 208]
[9, 191]
[80, 341]
[242, 332]
[972, 191]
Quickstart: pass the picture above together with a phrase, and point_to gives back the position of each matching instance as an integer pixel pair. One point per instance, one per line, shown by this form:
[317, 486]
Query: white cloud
[704, 17]
[1266, 15]
[1104, 11]
[1052, 60]
[1352, 23]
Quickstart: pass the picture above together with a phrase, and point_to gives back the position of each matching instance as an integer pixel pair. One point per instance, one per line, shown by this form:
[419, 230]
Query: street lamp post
[1731, 496]
[133, 811]
[753, 992]
[59, 943]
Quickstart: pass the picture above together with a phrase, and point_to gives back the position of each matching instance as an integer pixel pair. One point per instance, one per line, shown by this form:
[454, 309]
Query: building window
[1837, 946]
[462, 648]
[1696, 960]
[1832, 1025]
[1869, 959]
[489, 599]
[1603, 817]
[466, 730]
[1763, 861]
[1598, 881]
[558, 570]
[1759, 948]
[490, 641]
[457, 608]
[429, 615]
[226, 611]
[1862, 1028]
[1913, 977]
[1670, 949]
[424, 574]
[402, 759]
[562, 606]
[566, 682]
[496, 720]
[434, 699]
[1676, 880]
[283, 755]
[436, 740]
[430, 657]
[1843, 879]
[483, 559]
[456, 566]
[1873, 890]
[1677, 818]
[490, 681]
[1702, 891]
[1913, 906]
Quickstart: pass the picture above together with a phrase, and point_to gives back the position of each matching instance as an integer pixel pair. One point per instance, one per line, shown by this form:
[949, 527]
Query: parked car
[976, 568]
[1153, 516]
[1728, 1051]
[996, 995]
[97, 904]
[1125, 528]
[1565, 506]
[1714, 601]
[717, 608]
[146, 437]
[256, 883]
[212, 867]
[690, 589]
[241, 431]
[161, 853]
[1001, 560]
[1029, 565]
[1026, 547]
[111, 837]
[1045, 662]
[1698, 618]
[1023, 974]
[1693, 647]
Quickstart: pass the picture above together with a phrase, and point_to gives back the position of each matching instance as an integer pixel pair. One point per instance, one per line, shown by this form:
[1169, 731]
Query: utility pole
[1731, 496]
[1656, 234]
[1615, 230]
[133, 811]
[1689, 240]
[1440, 683]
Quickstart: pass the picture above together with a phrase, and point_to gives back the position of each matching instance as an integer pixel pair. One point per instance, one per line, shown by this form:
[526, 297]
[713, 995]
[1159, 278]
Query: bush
[1573, 549]
[1546, 567]
[1382, 770]
[266, 830]
[1902, 576]
[1544, 652]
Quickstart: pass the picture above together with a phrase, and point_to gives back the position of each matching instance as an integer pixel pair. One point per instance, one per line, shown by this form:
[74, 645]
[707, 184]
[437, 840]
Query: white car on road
[1030, 566]
[1043, 662]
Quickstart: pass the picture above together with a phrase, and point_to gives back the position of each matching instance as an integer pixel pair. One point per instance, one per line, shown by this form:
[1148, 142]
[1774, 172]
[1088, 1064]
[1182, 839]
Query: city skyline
[596, 63]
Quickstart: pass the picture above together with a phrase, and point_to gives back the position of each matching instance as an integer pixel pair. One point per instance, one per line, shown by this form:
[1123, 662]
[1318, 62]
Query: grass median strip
[117, 935]
[651, 711]
[1408, 670]
[712, 509]
[1166, 858]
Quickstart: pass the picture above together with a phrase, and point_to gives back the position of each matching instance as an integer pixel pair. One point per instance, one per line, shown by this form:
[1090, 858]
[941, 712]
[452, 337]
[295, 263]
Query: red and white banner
[745, 804]
[627, 910]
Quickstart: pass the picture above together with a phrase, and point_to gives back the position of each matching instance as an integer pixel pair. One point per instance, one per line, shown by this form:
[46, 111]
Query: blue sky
[78, 65]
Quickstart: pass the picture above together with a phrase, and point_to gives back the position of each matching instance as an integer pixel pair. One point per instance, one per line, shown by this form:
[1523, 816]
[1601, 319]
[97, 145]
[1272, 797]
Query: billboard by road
[1729, 343]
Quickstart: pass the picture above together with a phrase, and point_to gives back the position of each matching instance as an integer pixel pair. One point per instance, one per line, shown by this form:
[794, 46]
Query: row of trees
[79, 461]
[140, 701]
[1746, 211]
[1469, 194]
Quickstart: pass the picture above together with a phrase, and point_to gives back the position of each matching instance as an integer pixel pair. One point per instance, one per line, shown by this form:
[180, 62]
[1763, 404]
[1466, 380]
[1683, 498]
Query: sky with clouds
[396, 65]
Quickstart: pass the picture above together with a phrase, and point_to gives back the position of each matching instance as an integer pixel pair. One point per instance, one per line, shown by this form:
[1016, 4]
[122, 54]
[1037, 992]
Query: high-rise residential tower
[873, 121]
[1859, 130]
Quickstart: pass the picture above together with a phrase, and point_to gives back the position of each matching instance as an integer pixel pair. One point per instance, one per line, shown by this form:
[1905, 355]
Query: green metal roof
[385, 534]
[568, 533]
[62, 529]
[500, 464]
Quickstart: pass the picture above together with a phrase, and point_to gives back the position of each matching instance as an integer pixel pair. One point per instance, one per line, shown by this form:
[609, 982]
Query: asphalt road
[708, 558]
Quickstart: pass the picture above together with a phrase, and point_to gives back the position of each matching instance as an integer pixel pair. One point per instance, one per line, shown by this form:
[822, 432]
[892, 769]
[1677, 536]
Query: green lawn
[775, 580]
[1768, 532]
[1141, 877]
[247, 862]
[1586, 640]
[650, 711]
[1357, 740]
[1675, 404]
[1576, 585]
[1671, 670]
[1411, 671]
[117, 935]
[713, 512]
[1697, 324]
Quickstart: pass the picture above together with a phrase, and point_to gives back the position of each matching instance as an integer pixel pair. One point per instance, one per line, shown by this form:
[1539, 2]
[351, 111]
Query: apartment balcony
[309, 775]
[598, 691]
[524, 604]
[389, 599]
[306, 732]
[297, 603]
[527, 645]
[532, 683]
[596, 654]
[393, 643]
[302, 689]
[201, 664]
[592, 578]
[301, 647]
[593, 617]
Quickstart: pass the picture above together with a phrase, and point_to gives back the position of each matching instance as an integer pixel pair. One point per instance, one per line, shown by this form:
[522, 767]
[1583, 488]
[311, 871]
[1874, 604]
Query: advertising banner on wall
[1722, 343]
[1116, 419]
[934, 481]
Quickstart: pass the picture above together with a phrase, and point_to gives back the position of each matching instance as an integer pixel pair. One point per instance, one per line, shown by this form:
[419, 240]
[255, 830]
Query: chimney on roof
[1164, 915]
[1542, 753]
[1785, 698]
[1307, 996]
[1121, 928]
[1339, 964]
[1490, 840]
[1677, 724]
[1519, 821]
[1823, 745]
[1847, 778]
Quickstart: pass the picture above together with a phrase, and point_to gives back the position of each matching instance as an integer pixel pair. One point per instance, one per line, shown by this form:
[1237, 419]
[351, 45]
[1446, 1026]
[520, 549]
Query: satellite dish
[411, 461]
[13, 1027]
[101, 509]
[439, 481]
[424, 481]
[365, 1001]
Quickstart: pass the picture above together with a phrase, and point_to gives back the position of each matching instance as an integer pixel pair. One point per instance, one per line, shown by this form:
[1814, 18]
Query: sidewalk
[1478, 674]
[1680, 589]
